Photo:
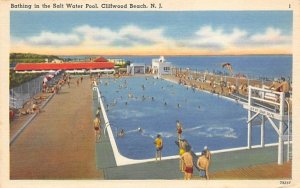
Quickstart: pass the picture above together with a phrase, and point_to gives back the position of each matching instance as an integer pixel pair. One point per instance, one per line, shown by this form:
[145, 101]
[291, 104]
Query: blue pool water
[207, 119]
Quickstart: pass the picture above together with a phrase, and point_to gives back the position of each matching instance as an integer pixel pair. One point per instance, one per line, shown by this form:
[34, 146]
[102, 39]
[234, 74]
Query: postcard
[155, 93]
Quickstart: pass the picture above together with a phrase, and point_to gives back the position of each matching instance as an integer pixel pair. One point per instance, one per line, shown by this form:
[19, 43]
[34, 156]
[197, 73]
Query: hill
[30, 58]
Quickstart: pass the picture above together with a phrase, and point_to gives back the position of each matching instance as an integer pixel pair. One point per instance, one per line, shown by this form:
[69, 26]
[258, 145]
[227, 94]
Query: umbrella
[45, 79]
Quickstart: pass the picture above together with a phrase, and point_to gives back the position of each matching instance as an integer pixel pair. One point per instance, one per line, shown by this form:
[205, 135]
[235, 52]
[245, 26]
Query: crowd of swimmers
[217, 84]
[56, 87]
[130, 94]
[32, 106]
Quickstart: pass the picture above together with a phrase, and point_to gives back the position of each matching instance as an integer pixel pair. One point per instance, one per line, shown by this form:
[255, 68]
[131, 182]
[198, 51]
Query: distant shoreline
[182, 55]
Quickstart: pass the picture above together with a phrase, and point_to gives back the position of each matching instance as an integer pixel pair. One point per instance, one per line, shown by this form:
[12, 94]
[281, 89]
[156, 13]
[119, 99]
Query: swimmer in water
[166, 104]
[178, 105]
[126, 103]
[152, 98]
[140, 129]
[121, 133]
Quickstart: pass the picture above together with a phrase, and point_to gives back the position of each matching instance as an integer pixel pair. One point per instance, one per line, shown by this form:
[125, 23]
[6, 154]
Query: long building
[71, 67]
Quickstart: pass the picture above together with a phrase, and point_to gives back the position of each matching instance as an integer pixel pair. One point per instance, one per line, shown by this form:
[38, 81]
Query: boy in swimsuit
[203, 164]
[187, 159]
[158, 145]
[97, 128]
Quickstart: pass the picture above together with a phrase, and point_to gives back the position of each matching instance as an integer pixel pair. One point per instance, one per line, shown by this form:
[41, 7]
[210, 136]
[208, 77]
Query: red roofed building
[79, 67]
[100, 59]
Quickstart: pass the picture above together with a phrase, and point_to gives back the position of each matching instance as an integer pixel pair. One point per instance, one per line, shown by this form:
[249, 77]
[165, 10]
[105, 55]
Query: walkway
[224, 166]
[59, 143]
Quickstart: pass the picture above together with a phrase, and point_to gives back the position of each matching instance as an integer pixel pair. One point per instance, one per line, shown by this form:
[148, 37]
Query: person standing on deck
[203, 164]
[207, 154]
[97, 127]
[98, 112]
[77, 82]
[188, 165]
[182, 150]
[68, 81]
[283, 87]
[159, 146]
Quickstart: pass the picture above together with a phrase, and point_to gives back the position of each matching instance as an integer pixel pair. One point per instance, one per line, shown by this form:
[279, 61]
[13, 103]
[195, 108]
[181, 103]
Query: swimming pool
[154, 105]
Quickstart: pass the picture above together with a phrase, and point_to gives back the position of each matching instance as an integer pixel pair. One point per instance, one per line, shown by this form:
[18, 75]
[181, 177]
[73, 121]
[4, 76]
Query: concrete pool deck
[58, 145]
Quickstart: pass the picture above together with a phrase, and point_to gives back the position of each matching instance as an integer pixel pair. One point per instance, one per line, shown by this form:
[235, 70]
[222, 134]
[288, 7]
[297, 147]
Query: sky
[151, 32]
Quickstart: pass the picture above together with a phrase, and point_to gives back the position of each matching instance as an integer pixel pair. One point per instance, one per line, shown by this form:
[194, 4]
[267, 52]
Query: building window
[166, 68]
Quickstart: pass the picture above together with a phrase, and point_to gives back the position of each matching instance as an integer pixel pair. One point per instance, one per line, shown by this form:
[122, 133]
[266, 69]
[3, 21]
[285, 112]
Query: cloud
[54, 39]
[271, 36]
[210, 38]
[135, 33]
[219, 39]
[132, 38]
[126, 36]
[95, 35]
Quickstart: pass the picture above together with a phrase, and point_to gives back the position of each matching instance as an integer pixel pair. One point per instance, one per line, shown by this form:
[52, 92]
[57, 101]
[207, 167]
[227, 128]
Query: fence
[21, 94]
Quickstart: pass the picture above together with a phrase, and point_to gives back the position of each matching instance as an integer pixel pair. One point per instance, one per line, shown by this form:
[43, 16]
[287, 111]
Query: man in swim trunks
[203, 164]
[207, 154]
[158, 145]
[187, 159]
[283, 87]
[97, 127]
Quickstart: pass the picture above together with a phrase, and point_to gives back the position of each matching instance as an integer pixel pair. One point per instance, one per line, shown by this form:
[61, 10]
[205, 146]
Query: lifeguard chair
[270, 105]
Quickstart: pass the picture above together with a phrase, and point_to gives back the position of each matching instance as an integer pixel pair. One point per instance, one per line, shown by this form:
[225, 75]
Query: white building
[161, 66]
[57, 61]
[135, 68]
[118, 62]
